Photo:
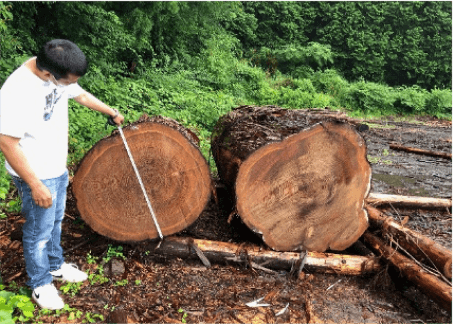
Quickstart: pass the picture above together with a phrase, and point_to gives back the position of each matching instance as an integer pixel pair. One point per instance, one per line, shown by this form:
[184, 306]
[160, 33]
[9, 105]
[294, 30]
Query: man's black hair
[61, 57]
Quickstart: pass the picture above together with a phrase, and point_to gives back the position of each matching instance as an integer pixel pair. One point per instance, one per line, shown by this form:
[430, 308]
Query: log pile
[174, 172]
[299, 178]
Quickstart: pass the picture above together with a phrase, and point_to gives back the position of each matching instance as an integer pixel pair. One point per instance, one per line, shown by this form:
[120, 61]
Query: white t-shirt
[36, 111]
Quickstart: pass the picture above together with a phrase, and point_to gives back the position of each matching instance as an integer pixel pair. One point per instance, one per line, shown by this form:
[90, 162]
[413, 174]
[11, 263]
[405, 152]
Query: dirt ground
[172, 290]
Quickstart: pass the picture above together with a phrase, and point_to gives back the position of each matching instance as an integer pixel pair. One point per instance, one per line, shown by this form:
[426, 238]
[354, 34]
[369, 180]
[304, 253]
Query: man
[34, 141]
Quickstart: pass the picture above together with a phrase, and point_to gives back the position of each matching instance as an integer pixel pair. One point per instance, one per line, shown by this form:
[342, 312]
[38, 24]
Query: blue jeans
[42, 230]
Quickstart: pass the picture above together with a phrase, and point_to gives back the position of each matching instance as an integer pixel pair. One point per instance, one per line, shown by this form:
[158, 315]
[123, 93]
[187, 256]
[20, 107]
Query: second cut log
[300, 178]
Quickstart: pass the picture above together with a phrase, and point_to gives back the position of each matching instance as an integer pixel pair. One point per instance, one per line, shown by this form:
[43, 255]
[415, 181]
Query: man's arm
[16, 158]
[88, 100]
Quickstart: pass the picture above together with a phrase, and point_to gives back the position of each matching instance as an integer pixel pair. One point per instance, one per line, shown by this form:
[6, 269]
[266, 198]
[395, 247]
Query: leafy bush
[216, 62]
[305, 85]
[439, 103]
[329, 81]
[410, 100]
[369, 98]
[301, 61]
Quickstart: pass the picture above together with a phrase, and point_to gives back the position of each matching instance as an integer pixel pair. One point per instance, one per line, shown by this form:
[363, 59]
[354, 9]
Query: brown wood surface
[422, 248]
[299, 177]
[222, 252]
[377, 199]
[433, 287]
[174, 172]
[416, 150]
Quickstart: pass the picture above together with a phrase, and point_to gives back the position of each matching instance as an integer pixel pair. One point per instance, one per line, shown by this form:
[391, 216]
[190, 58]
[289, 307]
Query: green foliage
[439, 103]
[398, 43]
[280, 22]
[73, 314]
[410, 100]
[11, 55]
[102, 36]
[8, 204]
[121, 283]
[14, 307]
[216, 60]
[98, 277]
[370, 98]
[5, 179]
[71, 288]
[294, 59]
[185, 315]
[114, 252]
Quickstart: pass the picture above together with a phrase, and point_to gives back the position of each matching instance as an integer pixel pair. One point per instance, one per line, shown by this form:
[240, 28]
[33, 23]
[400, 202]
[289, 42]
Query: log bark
[429, 284]
[221, 252]
[422, 248]
[376, 199]
[398, 147]
[175, 174]
[299, 177]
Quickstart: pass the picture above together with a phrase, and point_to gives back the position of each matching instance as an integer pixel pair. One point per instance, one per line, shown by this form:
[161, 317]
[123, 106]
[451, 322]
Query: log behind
[299, 176]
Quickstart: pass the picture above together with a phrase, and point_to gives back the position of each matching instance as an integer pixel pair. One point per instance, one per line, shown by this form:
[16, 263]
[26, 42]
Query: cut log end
[307, 192]
[174, 172]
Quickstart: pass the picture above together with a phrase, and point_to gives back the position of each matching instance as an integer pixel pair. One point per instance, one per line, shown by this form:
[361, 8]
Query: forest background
[196, 61]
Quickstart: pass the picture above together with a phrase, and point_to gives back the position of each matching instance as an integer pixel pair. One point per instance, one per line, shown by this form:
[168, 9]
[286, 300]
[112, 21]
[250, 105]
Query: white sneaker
[69, 272]
[47, 297]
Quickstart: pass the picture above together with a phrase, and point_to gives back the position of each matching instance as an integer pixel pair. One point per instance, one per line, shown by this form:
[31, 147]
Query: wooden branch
[398, 147]
[222, 252]
[377, 199]
[421, 247]
[15, 276]
[429, 284]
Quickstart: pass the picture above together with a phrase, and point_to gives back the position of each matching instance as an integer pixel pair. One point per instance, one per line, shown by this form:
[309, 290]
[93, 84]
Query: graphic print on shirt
[51, 100]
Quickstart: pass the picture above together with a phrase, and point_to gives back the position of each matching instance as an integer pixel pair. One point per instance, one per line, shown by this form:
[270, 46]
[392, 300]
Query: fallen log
[175, 174]
[422, 248]
[399, 147]
[376, 199]
[299, 178]
[433, 287]
[222, 252]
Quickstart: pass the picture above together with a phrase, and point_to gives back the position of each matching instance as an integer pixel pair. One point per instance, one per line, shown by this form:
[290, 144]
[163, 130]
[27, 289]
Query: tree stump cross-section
[305, 191]
[174, 172]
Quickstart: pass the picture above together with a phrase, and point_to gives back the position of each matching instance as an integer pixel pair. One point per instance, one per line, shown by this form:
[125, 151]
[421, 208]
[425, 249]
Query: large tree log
[175, 174]
[422, 248]
[377, 199]
[300, 178]
[222, 252]
[429, 284]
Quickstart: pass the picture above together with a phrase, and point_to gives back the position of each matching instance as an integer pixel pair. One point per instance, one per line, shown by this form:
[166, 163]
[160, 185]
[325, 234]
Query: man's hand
[119, 119]
[41, 195]
[18, 161]
[90, 101]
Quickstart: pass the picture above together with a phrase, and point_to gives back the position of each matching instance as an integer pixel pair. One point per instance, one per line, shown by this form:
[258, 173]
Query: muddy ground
[146, 288]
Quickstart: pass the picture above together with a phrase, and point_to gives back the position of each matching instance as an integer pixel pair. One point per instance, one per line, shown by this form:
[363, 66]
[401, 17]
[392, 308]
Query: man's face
[69, 79]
